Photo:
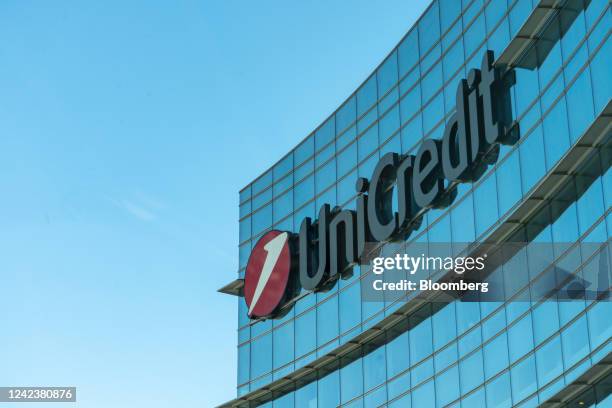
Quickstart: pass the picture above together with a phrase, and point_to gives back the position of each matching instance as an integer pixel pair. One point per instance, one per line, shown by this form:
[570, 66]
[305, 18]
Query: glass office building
[552, 185]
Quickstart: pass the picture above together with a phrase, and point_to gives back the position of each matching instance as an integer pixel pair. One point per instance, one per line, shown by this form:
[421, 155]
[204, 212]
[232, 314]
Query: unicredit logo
[267, 278]
[324, 250]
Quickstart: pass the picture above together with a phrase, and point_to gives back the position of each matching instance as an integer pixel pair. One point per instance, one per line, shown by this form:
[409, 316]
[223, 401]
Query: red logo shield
[267, 273]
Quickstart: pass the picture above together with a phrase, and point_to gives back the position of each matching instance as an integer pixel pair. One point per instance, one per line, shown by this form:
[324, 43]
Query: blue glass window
[262, 219]
[243, 363]
[286, 401]
[533, 167]
[306, 396]
[580, 105]
[494, 11]
[245, 194]
[408, 52]
[368, 142]
[245, 229]
[284, 166]
[433, 114]
[476, 400]
[304, 170]
[520, 338]
[410, 104]
[500, 38]
[496, 355]
[261, 355]
[346, 188]
[508, 185]
[350, 307]
[523, 377]
[351, 380]
[374, 368]
[452, 62]
[545, 321]
[325, 176]
[282, 206]
[447, 386]
[444, 328]
[366, 95]
[304, 151]
[387, 74]
[305, 327]
[283, 344]
[329, 390]
[346, 115]
[422, 396]
[398, 355]
[498, 392]
[575, 343]
[549, 361]
[303, 192]
[471, 372]
[429, 28]
[600, 73]
[327, 320]
[474, 36]
[262, 182]
[432, 82]
[518, 15]
[421, 340]
[462, 221]
[262, 198]
[389, 124]
[600, 329]
[485, 203]
[449, 11]
[325, 134]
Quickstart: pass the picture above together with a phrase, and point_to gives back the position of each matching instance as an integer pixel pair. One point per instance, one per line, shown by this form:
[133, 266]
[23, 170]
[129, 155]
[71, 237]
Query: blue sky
[126, 131]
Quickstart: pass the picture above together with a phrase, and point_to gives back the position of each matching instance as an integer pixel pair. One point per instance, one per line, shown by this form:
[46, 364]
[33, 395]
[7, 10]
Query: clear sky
[127, 129]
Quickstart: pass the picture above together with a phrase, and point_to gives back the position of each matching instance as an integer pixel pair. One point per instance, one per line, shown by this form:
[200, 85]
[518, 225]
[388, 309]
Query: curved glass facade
[493, 354]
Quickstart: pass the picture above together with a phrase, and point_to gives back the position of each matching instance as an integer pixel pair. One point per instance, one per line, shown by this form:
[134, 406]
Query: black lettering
[381, 218]
[363, 229]
[308, 280]
[407, 208]
[427, 176]
[343, 243]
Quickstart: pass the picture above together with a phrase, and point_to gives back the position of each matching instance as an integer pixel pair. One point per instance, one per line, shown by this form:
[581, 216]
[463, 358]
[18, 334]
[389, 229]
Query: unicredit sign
[326, 249]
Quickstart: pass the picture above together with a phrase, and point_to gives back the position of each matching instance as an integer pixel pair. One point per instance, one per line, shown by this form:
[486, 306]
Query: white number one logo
[273, 249]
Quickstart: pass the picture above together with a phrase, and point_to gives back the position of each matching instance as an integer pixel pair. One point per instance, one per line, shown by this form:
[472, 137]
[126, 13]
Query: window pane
[329, 390]
[374, 368]
[408, 52]
[325, 133]
[523, 377]
[422, 396]
[304, 150]
[549, 361]
[471, 372]
[447, 386]
[261, 355]
[498, 392]
[327, 320]
[429, 28]
[346, 114]
[366, 95]
[351, 380]
[496, 355]
[387, 74]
